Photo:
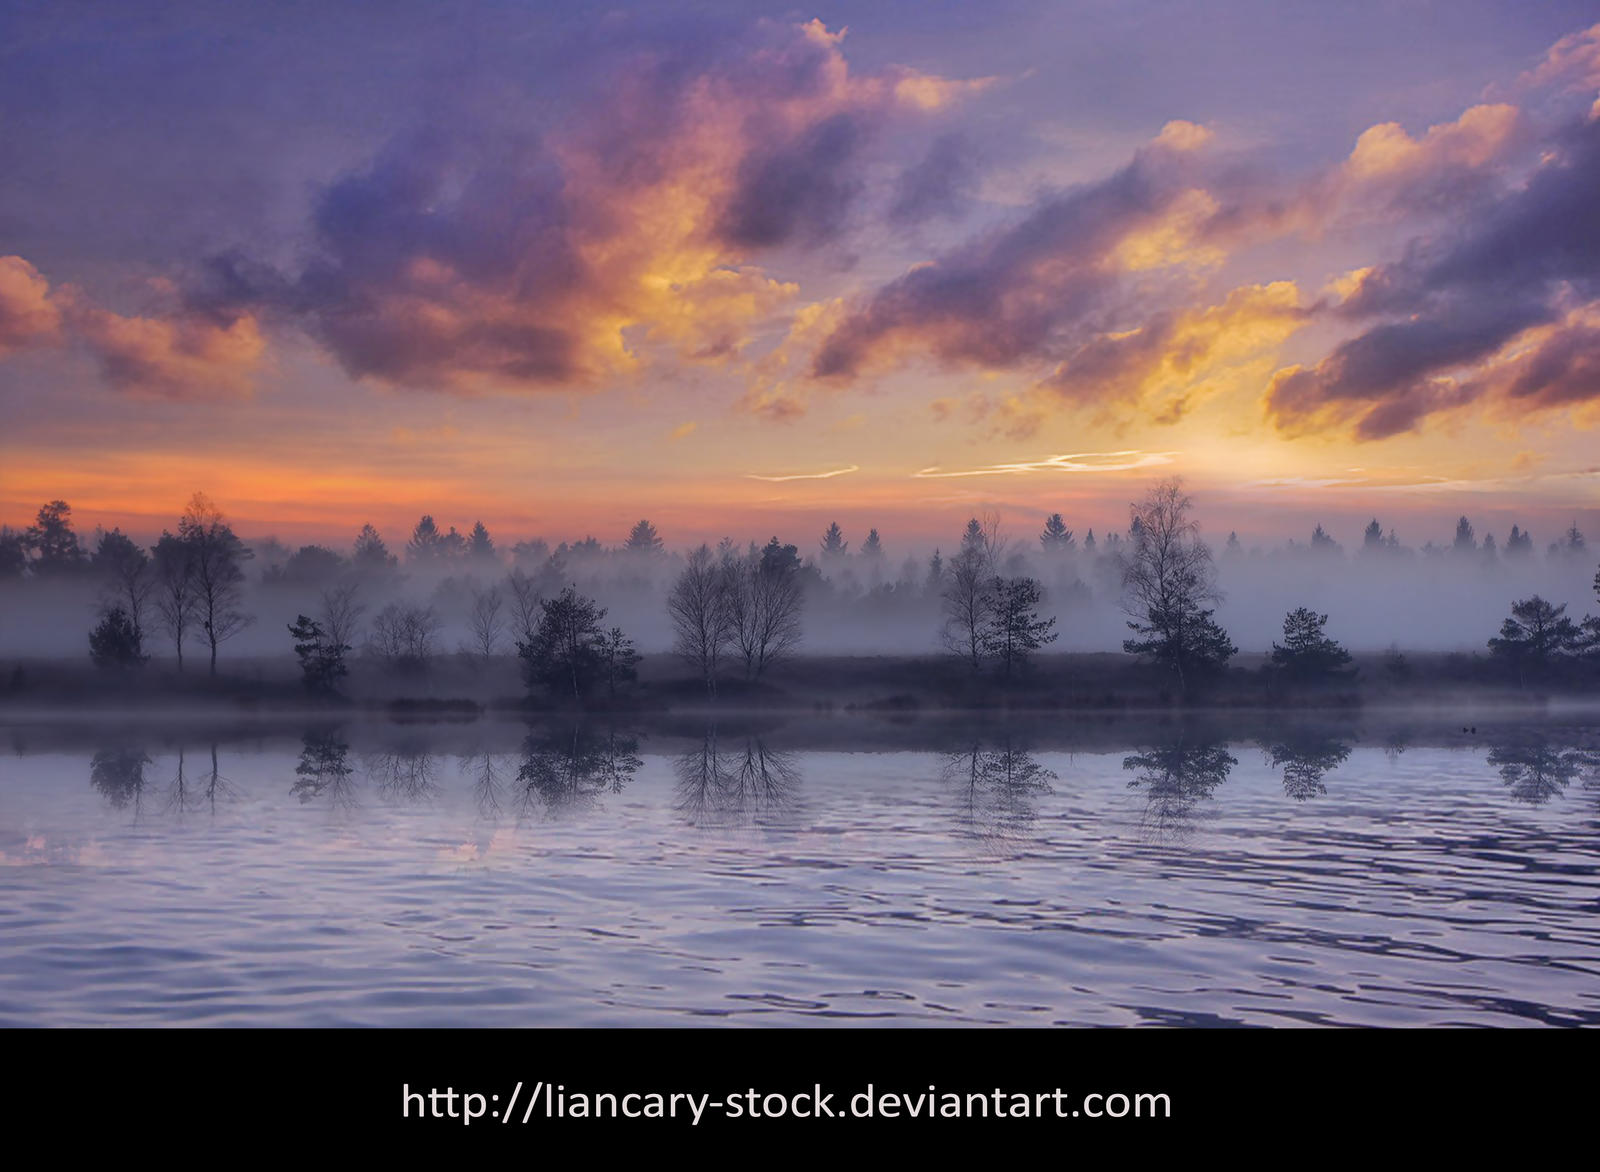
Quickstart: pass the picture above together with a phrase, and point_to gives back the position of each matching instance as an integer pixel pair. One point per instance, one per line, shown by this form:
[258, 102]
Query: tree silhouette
[311, 565]
[619, 661]
[486, 620]
[1536, 636]
[643, 539]
[127, 579]
[966, 598]
[1056, 537]
[370, 555]
[1519, 544]
[1012, 629]
[480, 546]
[1306, 653]
[403, 635]
[872, 547]
[55, 547]
[1465, 541]
[427, 546]
[764, 602]
[321, 659]
[699, 608]
[13, 553]
[1166, 579]
[565, 654]
[834, 546]
[115, 641]
[176, 597]
[216, 555]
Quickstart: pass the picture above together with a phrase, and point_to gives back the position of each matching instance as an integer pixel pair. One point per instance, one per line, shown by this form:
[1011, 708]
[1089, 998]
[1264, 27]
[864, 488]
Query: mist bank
[464, 688]
[855, 605]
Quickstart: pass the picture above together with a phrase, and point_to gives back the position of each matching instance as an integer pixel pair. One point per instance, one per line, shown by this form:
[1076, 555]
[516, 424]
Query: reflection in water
[998, 785]
[565, 771]
[404, 775]
[1176, 778]
[737, 782]
[119, 775]
[488, 773]
[1534, 770]
[324, 769]
[1305, 756]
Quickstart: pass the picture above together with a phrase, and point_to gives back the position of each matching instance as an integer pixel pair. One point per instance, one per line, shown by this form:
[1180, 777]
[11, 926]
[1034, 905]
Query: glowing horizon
[742, 274]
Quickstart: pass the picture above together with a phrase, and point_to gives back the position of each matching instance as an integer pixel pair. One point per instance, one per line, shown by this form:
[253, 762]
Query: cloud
[487, 257]
[1165, 357]
[1022, 292]
[1456, 312]
[181, 356]
[1125, 461]
[937, 186]
[806, 475]
[28, 316]
[172, 353]
[1572, 63]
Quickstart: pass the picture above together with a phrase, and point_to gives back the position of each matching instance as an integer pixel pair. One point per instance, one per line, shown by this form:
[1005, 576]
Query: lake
[764, 871]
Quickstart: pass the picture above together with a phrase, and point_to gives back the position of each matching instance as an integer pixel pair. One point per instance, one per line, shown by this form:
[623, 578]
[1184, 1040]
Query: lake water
[809, 872]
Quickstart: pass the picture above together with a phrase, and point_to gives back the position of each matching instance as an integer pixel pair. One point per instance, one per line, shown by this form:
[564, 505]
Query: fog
[1439, 597]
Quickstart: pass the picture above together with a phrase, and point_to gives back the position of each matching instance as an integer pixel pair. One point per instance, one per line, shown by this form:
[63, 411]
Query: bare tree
[342, 610]
[486, 620]
[966, 596]
[524, 609]
[216, 554]
[1167, 578]
[698, 606]
[764, 601]
[127, 579]
[403, 634]
[175, 598]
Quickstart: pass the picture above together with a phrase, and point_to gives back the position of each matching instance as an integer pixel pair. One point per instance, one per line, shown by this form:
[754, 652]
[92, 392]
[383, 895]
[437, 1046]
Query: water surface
[830, 872]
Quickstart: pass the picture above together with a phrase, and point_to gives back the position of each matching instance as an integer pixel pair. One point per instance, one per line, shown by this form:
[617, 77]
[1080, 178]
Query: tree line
[731, 609]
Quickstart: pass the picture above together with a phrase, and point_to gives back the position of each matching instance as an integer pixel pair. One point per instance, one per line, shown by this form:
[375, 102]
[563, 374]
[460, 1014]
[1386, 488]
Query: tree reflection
[119, 775]
[406, 775]
[734, 781]
[567, 770]
[324, 769]
[488, 773]
[1534, 770]
[1175, 779]
[1306, 756]
[998, 785]
[184, 794]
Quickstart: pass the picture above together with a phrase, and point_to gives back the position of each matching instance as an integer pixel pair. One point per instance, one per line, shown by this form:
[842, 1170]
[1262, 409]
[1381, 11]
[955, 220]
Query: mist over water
[1435, 598]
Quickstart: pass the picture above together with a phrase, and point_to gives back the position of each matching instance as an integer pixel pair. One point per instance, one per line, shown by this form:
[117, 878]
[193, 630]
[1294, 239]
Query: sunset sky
[744, 268]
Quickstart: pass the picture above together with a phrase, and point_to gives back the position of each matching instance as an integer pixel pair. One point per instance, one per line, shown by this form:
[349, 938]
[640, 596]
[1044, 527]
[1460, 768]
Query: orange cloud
[184, 356]
[28, 317]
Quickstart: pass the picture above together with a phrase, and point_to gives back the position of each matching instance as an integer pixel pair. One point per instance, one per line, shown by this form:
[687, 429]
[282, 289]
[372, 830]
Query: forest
[1135, 615]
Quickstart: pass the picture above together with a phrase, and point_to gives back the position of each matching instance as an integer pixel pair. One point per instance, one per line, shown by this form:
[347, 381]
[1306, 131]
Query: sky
[744, 269]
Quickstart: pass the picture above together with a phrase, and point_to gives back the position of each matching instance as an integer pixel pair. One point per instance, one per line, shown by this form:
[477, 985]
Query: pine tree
[1306, 653]
[644, 539]
[115, 641]
[322, 663]
[1056, 537]
[1012, 628]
